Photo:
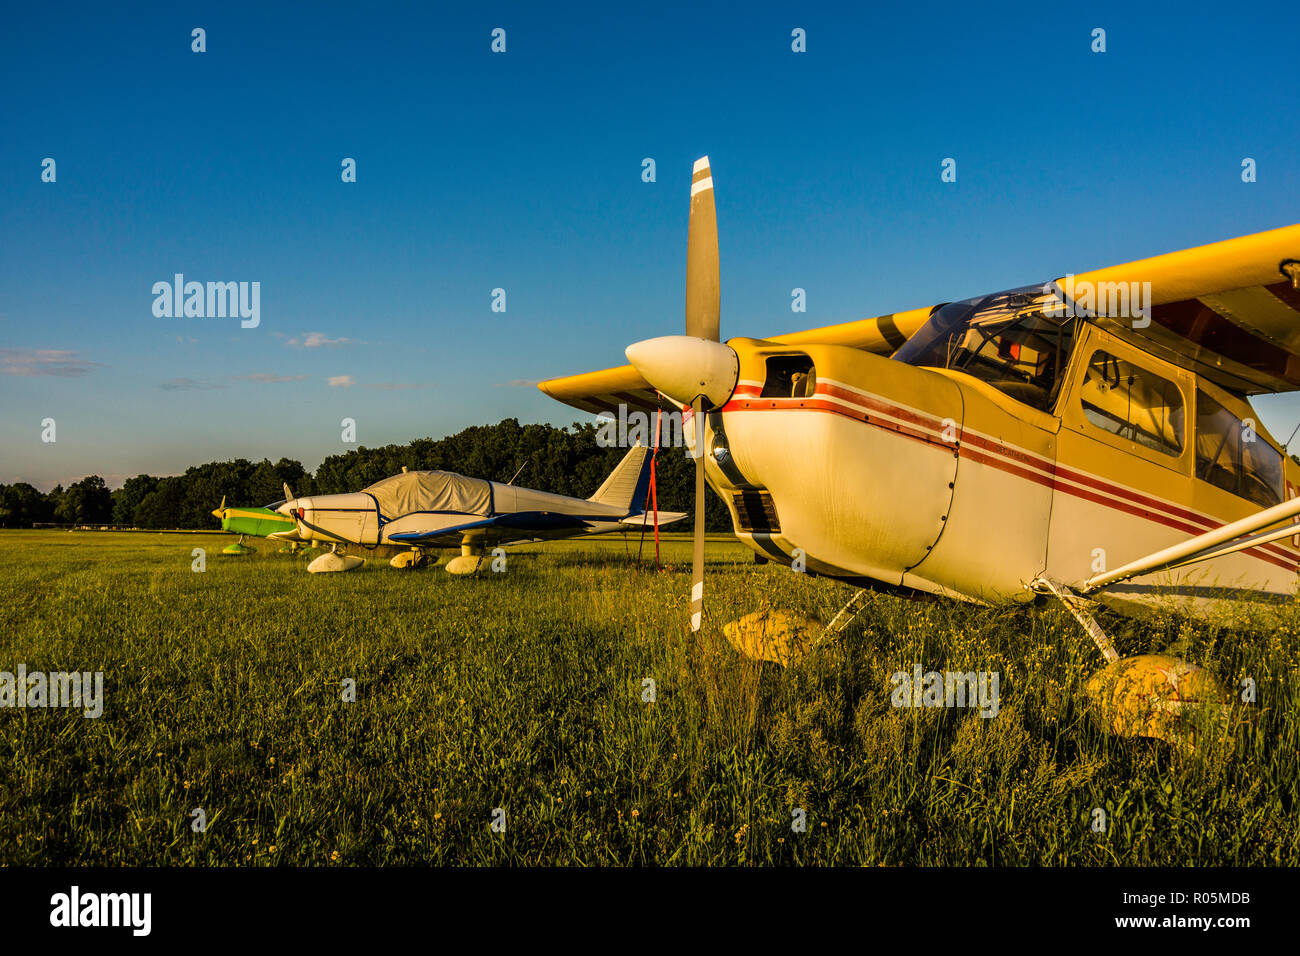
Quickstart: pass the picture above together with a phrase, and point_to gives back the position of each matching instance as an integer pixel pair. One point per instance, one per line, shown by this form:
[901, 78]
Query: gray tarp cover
[432, 491]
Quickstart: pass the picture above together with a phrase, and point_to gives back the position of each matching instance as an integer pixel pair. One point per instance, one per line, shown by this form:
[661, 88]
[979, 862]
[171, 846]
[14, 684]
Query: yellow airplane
[1089, 438]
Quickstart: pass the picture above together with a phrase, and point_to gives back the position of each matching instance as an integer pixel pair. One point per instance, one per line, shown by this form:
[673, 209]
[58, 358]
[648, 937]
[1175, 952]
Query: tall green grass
[524, 691]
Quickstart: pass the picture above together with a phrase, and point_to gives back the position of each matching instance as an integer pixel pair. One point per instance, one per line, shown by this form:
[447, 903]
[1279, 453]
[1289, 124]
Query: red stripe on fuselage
[1004, 458]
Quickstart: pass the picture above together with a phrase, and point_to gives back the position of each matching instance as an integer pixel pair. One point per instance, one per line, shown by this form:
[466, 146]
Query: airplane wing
[530, 524]
[452, 535]
[607, 389]
[1229, 311]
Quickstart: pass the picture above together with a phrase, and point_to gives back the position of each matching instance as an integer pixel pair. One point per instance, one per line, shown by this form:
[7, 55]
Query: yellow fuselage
[868, 468]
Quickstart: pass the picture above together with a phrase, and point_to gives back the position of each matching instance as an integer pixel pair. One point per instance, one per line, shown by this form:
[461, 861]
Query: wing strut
[1233, 537]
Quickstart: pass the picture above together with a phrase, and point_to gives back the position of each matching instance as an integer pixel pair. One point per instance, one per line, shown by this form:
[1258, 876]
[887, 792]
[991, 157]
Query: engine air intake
[756, 513]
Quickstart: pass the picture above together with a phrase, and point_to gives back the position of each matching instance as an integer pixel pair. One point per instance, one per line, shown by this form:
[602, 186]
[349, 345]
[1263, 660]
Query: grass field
[524, 691]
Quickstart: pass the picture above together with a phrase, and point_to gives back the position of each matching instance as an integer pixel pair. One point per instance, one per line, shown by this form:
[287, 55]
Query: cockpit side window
[790, 376]
[1127, 400]
[1232, 456]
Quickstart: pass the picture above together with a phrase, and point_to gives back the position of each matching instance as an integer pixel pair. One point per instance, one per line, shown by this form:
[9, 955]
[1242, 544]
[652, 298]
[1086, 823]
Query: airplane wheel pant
[1154, 695]
[332, 561]
[466, 564]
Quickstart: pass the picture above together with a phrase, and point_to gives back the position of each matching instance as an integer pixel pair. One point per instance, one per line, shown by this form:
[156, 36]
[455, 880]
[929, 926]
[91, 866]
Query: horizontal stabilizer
[665, 517]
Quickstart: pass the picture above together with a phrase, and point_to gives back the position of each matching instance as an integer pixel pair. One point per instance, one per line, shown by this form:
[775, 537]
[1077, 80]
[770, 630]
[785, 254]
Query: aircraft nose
[684, 367]
[296, 508]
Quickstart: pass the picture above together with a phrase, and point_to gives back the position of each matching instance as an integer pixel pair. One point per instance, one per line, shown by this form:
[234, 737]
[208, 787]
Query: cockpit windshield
[1018, 341]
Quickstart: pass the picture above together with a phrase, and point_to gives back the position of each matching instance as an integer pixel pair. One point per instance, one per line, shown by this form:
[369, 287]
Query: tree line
[566, 461]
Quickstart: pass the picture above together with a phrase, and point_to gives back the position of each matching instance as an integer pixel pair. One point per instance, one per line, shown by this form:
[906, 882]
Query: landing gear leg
[1149, 695]
[1081, 608]
[854, 604]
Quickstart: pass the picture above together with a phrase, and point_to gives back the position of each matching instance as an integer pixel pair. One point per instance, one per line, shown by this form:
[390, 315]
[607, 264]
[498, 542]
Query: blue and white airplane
[422, 510]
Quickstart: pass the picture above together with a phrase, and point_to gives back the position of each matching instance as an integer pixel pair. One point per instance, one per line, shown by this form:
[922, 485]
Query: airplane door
[1124, 459]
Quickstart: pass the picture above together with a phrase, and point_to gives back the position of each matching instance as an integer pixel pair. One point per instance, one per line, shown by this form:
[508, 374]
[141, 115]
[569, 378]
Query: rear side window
[1231, 456]
[1131, 402]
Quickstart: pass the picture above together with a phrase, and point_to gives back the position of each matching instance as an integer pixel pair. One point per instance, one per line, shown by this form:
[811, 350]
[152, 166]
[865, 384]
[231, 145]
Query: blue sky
[522, 171]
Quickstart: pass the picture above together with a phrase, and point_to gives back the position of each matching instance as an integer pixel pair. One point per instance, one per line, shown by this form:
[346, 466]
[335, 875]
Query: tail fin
[627, 484]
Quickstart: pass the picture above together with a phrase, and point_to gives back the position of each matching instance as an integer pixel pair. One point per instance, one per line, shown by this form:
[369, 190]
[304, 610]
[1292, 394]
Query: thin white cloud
[318, 340]
[397, 386]
[187, 385]
[62, 363]
[267, 377]
[342, 381]
[519, 383]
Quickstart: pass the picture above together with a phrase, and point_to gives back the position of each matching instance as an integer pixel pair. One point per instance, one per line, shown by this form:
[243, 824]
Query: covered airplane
[420, 510]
